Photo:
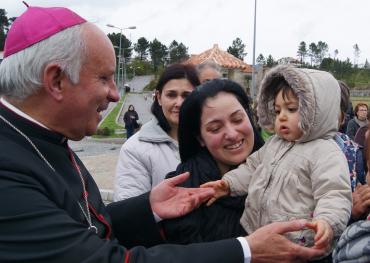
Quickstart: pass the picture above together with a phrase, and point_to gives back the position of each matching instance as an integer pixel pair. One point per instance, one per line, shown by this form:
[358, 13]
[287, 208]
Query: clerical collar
[21, 113]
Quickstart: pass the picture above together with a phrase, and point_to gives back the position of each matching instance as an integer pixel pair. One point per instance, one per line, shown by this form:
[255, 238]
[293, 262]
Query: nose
[113, 94]
[282, 116]
[179, 101]
[230, 132]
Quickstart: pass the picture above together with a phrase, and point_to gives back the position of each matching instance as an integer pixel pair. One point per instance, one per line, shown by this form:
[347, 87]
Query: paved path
[100, 156]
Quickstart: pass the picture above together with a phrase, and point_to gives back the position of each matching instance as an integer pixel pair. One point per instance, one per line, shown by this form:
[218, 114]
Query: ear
[53, 81]
[201, 142]
[158, 96]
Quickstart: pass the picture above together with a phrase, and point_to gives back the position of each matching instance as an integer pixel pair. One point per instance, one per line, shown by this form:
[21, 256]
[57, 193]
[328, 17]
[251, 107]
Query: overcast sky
[281, 24]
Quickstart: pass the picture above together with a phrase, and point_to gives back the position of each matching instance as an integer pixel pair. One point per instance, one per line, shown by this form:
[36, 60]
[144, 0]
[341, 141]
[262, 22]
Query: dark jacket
[130, 118]
[41, 221]
[218, 221]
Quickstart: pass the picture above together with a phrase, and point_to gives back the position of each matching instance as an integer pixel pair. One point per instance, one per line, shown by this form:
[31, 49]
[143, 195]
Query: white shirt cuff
[246, 249]
[157, 218]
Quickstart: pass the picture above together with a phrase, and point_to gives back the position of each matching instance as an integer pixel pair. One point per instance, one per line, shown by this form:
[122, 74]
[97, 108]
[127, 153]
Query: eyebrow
[232, 114]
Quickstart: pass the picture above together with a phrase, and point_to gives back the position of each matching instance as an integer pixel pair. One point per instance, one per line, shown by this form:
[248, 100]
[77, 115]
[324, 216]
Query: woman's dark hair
[133, 108]
[344, 96]
[191, 112]
[174, 71]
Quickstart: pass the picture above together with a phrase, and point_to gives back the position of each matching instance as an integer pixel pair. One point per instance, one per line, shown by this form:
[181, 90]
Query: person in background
[359, 120]
[350, 148]
[349, 114]
[208, 70]
[299, 172]
[130, 118]
[354, 244]
[216, 134]
[151, 153]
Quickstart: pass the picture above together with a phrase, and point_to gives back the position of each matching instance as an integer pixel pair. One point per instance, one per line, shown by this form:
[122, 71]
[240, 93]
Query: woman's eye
[277, 112]
[214, 129]
[171, 95]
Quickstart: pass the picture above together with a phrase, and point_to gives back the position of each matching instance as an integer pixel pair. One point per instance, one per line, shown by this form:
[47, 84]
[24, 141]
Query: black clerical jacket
[41, 221]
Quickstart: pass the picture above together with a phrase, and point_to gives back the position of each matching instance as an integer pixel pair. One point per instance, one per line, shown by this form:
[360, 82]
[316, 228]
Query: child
[300, 172]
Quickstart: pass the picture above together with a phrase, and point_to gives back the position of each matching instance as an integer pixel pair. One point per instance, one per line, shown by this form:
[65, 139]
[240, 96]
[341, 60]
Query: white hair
[21, 74]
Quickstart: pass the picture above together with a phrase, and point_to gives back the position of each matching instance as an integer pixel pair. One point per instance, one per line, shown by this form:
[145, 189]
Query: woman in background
[151, 153]
[130, 118]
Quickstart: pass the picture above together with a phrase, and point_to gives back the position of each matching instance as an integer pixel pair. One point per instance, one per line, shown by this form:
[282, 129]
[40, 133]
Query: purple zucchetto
[37, 24]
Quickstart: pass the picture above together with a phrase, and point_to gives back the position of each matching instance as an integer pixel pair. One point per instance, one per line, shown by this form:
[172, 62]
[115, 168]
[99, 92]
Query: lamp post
[121, 58]
[254, 55]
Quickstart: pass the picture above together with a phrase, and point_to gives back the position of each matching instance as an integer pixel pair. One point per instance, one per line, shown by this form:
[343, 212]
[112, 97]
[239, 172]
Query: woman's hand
[221, 188]
[324, 233]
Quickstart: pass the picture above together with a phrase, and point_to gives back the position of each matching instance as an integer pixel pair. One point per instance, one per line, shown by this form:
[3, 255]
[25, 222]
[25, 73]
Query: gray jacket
[144, 161]
[308, 178]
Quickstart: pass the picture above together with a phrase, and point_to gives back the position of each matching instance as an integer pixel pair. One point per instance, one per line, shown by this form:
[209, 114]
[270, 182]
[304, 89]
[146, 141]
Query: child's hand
[324, 233]
[221, 188]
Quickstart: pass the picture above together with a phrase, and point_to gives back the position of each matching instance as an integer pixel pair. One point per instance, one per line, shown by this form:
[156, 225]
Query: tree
[312, 52]
[366, 65]
[177, 52]
[302, 51]
[158, 53]
[327, 64]
[356, 53]
[336, 52]
[237, 49]
[322, 50]
[270, 62]
[261, 59]
[4, 25]
[126, 48]
[142, 47]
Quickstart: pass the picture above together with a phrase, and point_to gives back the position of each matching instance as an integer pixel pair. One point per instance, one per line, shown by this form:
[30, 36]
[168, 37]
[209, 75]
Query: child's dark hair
[282, 85]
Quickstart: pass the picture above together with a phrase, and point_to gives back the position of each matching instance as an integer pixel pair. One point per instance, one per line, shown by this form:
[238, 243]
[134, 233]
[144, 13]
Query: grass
[110, 123]
[356, 100]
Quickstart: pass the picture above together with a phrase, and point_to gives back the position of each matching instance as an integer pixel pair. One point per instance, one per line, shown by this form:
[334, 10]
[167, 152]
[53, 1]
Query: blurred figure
[354, 244]
[208, 70]
[130, 118]
[351, 149]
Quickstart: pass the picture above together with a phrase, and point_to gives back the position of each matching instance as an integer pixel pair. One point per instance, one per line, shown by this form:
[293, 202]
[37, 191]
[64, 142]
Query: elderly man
[56, 78]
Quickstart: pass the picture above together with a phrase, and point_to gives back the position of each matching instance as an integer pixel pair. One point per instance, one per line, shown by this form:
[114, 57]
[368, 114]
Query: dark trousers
[129, 131]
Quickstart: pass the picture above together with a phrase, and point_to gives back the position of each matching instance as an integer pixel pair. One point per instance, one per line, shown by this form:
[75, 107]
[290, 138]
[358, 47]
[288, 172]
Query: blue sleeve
[360, 171]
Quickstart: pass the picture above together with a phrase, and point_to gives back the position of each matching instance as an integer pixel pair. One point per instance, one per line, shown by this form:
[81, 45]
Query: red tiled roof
[220, 57]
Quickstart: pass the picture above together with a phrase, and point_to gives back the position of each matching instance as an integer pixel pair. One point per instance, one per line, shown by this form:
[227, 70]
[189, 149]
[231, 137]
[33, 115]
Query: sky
[199, 24]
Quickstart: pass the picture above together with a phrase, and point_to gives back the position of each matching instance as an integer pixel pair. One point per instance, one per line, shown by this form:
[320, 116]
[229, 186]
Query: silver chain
[86, 215]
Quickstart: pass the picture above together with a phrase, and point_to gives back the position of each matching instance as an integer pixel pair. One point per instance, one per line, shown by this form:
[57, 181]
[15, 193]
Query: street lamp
[121, 56]
[254, 55]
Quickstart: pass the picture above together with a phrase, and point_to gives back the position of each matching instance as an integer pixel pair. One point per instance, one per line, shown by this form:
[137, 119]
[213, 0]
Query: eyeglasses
[363, 110]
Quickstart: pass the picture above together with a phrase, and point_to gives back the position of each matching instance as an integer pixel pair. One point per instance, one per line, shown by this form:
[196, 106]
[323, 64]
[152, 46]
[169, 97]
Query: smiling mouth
[235, 146]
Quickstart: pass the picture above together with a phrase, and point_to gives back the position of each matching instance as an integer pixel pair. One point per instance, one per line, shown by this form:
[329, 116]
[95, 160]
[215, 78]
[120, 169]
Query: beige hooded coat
[305, 179]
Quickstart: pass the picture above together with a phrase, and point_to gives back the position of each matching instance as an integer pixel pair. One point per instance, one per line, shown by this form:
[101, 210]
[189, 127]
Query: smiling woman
[216, 134]
[151, 153]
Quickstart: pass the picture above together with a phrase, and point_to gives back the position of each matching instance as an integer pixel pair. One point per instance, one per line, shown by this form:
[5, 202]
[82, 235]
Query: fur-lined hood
[319, 100]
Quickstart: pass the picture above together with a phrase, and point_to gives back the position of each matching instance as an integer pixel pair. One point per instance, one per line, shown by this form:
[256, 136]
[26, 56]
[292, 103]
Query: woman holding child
[216, 134]
[300, 172]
